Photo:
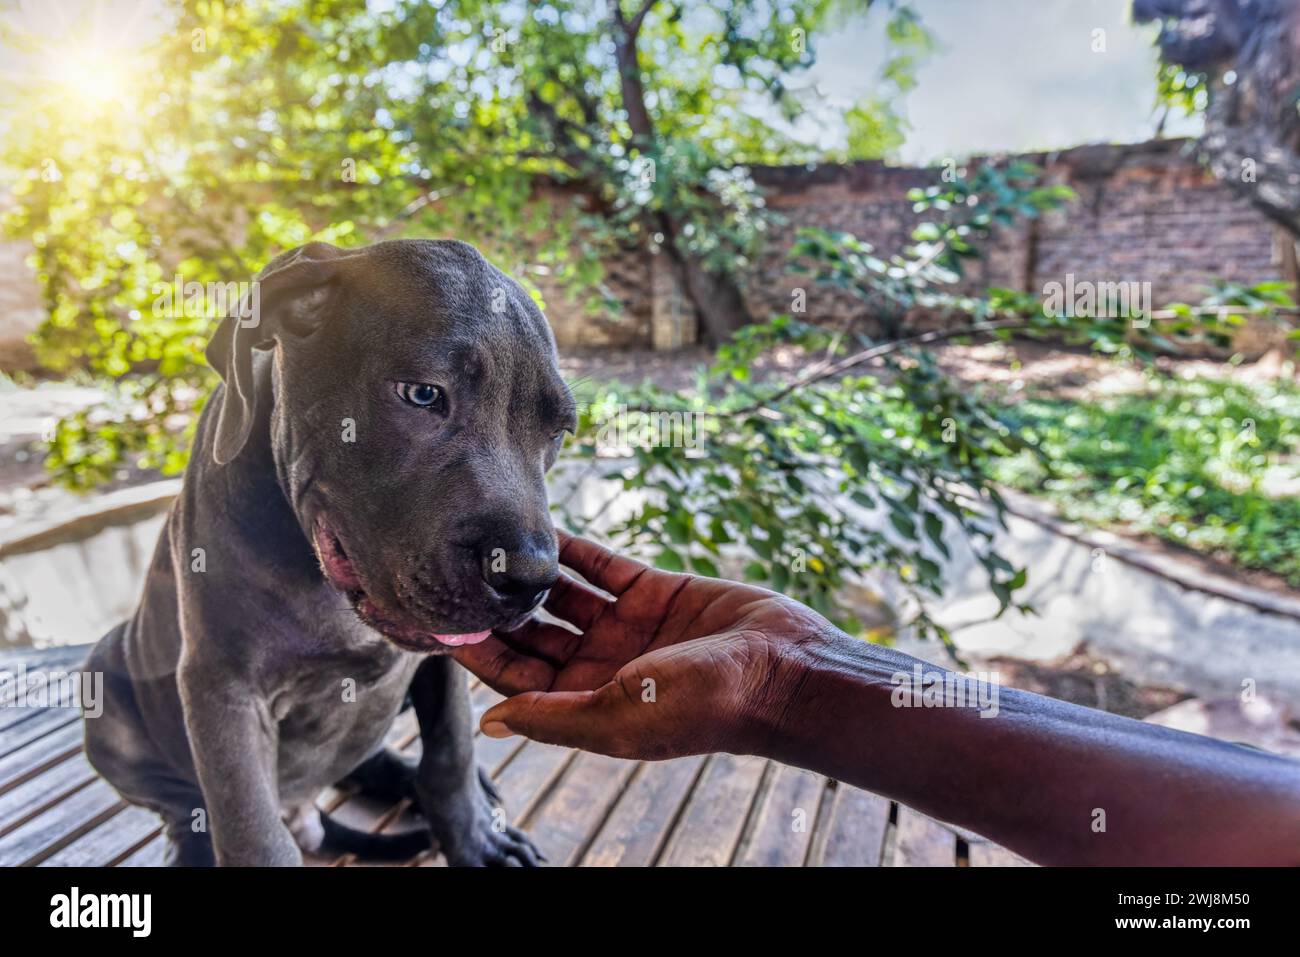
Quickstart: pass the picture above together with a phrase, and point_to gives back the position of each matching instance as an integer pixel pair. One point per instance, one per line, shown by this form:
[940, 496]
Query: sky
[1009, 75]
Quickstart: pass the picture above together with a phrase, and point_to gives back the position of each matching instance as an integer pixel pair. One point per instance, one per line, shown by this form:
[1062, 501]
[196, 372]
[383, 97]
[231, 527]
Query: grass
[1199, 462]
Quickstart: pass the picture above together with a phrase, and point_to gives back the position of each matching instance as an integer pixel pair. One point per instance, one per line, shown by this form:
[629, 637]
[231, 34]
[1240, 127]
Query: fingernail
[496, 729]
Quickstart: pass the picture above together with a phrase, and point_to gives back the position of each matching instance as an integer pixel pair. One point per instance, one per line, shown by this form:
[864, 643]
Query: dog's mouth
[341, 573]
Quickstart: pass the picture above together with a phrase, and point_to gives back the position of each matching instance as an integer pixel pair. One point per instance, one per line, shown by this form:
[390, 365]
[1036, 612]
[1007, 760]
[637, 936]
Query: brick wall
[1144, 213]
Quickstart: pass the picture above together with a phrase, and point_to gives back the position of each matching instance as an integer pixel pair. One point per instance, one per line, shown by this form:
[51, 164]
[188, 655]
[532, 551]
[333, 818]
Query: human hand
[673, 665]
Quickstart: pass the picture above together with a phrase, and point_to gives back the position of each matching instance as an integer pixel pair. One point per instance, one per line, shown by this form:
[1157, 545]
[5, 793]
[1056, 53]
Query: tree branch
[821, 371]
[427, 198]
[634, 25]
[629, 73]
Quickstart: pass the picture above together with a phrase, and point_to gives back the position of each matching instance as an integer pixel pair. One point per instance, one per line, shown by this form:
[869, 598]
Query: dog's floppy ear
[289, 296]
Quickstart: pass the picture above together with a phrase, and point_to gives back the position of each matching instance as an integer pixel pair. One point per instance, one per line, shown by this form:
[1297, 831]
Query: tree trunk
[1252, 131]
[717, 298]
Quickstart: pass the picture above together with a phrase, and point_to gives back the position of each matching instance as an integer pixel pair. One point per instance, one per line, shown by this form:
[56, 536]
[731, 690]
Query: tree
[1245, 55]
[583, 126]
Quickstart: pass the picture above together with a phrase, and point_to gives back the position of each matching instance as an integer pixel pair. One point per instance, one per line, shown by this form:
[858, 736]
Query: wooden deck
[580, 809]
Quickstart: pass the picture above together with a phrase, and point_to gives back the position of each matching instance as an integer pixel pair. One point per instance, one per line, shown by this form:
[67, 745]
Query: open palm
[669, 664]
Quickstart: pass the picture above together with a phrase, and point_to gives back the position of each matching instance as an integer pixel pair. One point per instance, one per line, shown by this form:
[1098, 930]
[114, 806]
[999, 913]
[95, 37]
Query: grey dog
[366, 490]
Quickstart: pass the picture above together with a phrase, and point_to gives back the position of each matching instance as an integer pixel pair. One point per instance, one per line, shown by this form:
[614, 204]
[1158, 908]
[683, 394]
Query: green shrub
[1205, 463]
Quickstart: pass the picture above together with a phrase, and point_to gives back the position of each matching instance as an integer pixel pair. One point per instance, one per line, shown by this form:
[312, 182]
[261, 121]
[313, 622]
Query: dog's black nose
[520, 574]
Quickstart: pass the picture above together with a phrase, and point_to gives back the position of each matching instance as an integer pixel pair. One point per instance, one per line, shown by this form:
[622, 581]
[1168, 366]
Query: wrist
[818, 680]
[833, 704]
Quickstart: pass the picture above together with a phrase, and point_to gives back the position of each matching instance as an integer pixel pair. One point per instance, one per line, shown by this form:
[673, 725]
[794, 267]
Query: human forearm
[1055, 782]
[733, 668]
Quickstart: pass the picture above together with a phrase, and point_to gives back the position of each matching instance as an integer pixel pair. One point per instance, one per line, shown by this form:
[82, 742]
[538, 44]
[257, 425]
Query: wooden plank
[11, 716]
[564, 824]
[150, 855]
[482, 698]
[116, 838]
[853, 834]
[525, 781]
[363, 812]
[36, 794]
[33, 758]
[61, 658]
[984, 854]
[49, 831]
[495, 753]
[922, 841]
[784, 820]
[41, 723]
[639, 824]
[404, 731]
[710, 828]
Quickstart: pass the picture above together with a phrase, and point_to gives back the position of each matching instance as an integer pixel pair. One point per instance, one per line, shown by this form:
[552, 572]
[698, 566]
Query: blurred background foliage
[242, 130]
[551, 135]
[1187, 460]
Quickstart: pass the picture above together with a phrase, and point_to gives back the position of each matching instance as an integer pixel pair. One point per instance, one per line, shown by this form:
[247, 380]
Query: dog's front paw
[488, 847]
[473, 831]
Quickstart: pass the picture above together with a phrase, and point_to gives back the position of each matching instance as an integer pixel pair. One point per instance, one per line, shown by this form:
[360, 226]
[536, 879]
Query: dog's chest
[335, 713]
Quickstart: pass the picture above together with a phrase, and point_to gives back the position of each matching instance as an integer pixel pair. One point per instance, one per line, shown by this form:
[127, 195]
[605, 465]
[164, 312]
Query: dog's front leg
[233, 739]
[463, 812]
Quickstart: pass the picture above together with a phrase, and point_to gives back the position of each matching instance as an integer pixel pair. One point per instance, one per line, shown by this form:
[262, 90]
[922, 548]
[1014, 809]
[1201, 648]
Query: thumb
[588, 720]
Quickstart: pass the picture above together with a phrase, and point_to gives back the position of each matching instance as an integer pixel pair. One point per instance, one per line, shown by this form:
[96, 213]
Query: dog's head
[417, 407]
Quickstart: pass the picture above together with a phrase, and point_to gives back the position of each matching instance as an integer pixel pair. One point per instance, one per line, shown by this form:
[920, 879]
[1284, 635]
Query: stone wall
[629, 279]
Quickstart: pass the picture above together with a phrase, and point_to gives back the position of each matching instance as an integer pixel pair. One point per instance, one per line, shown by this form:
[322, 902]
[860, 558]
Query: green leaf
[904, 524]
[858, 458]
[704, 566]
[669, 560]
[679, 526]
[934, 531]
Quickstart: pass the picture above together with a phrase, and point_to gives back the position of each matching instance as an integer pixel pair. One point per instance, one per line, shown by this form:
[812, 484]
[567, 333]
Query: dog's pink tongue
[473, 638]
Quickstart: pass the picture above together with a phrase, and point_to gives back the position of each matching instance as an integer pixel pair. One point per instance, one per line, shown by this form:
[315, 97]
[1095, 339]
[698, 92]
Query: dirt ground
[1070, 373]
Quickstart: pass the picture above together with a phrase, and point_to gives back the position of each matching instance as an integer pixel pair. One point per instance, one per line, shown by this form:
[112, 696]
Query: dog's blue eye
[419, 394]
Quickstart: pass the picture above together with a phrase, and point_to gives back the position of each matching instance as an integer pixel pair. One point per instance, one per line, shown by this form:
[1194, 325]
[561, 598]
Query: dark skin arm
[677, 664]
